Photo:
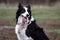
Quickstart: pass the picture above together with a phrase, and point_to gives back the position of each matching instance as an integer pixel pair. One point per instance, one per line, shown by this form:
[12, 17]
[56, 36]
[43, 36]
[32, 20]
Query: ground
[50, 28]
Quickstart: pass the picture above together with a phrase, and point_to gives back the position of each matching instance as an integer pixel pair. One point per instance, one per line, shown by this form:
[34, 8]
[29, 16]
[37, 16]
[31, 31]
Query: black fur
[34, 31]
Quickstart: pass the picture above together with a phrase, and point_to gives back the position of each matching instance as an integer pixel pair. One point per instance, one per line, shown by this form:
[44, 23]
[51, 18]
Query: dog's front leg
[18, 36]
[17, 31]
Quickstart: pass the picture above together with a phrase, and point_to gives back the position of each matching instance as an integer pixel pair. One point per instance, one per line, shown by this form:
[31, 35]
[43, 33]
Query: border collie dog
[26, 27]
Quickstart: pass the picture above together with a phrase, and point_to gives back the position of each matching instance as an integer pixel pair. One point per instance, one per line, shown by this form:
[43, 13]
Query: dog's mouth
[24, 20]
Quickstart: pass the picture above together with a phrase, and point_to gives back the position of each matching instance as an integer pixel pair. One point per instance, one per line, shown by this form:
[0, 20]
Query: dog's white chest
[21, 33]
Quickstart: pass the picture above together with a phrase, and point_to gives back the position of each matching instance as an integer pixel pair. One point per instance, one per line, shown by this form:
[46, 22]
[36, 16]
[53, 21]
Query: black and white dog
[26, 27]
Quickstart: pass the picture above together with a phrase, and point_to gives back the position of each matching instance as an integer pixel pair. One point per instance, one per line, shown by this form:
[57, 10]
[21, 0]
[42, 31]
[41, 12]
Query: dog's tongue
[24, 20]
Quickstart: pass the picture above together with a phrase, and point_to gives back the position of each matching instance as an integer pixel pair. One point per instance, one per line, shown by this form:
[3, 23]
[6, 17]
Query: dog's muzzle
[24, 20]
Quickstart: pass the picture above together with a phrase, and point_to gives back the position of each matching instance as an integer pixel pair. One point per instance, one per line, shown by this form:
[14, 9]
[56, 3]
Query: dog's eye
[29, 10]
[22, 11]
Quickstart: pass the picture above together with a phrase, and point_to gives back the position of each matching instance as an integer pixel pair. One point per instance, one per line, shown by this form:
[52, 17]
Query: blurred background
[46, 13]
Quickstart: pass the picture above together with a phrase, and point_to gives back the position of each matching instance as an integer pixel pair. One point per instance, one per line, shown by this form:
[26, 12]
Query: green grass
[57, 31]
[45, 12]
[7, 12]
[39, 12]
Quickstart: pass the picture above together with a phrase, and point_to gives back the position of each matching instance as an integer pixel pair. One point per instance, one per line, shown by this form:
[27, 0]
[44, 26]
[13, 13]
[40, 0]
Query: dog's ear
[28, 6]
[20, 5]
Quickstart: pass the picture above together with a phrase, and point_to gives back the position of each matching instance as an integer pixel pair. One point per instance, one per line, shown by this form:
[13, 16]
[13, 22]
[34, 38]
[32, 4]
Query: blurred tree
[52, 2]
[49, 2]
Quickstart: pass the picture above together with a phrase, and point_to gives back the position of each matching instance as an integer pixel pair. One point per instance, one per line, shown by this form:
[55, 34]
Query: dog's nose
[27, 15]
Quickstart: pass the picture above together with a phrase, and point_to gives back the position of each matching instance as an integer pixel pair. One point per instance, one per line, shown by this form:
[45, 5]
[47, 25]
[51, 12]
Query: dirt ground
[8, 33]
[49, 23]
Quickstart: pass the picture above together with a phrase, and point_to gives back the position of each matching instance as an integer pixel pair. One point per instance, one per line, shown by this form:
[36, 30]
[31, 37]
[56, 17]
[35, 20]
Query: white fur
[26, 12]
[19, 20]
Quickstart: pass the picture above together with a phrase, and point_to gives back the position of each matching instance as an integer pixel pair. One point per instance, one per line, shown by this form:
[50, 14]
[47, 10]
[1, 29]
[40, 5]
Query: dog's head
[23, 14]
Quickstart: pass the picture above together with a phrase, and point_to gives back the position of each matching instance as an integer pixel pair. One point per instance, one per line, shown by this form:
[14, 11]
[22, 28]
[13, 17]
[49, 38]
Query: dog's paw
[29, 38]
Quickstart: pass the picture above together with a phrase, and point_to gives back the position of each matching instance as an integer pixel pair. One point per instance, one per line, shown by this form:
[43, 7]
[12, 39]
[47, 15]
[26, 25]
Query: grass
[57, 31]
[39, 12]
[45, 12]
[7, 12]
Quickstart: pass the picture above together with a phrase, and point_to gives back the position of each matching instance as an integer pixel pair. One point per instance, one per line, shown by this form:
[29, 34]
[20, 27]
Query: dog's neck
[32, 19]
[24, 26]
